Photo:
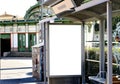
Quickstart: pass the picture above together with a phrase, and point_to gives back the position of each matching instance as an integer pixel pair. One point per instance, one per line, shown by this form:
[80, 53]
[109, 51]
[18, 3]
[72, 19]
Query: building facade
[18, 35]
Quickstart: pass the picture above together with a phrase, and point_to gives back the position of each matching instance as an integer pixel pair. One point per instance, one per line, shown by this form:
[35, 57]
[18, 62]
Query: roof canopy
[93, 9]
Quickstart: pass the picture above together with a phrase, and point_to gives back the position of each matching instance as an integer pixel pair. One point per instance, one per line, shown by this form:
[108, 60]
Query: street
[16, 70]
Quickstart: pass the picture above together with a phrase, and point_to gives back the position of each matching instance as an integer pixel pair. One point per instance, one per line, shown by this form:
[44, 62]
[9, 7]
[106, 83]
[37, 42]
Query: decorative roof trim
[30, 9]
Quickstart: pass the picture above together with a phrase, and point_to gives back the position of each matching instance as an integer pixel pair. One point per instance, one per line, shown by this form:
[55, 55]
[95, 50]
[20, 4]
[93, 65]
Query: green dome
[34, 12]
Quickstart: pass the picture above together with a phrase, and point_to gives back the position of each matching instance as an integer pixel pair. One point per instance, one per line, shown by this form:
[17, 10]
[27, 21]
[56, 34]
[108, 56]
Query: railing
[96, 61]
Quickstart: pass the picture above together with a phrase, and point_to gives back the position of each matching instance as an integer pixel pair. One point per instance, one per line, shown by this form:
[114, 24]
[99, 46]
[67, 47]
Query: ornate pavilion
[18, 34]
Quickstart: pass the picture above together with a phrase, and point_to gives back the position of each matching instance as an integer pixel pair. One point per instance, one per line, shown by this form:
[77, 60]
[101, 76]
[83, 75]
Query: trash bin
[37, 61]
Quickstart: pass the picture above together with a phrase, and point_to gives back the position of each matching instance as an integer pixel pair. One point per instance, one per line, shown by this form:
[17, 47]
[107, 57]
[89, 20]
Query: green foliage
[93, 53]
[115, 20]
[92, 68]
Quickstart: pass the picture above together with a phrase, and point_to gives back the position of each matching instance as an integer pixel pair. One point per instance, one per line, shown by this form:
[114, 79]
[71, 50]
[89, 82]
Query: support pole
[83, 52]
[42, 24]
[109, 45]
[45, 50]
[43, 38]
[102, 56]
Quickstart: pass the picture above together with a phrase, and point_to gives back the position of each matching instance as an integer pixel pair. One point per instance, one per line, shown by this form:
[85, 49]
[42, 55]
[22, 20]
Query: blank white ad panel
[64, 50]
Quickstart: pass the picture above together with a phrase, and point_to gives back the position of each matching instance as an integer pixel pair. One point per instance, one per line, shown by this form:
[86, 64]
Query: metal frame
[82, 51]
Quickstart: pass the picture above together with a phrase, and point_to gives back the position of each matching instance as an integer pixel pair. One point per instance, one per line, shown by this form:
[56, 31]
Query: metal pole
[45, 54]
[109, 45]
[42, 24]
[83, 52]
[43, 31]
[102, 57]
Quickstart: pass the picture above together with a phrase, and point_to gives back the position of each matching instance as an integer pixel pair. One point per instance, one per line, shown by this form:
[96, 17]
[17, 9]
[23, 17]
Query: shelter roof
[94, 9]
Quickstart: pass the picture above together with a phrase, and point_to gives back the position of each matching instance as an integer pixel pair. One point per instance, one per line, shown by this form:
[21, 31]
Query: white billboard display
[64, 50]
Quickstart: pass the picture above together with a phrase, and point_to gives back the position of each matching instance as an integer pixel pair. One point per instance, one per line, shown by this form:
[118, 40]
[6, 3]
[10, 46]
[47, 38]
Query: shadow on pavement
[13, 57]
[25, 65]
[16, 68]
[28, 80]
[29, 73]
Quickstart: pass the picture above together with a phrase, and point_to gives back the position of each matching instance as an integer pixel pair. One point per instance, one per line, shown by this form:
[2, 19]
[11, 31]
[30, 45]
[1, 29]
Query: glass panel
[21, 42]
[31, 40]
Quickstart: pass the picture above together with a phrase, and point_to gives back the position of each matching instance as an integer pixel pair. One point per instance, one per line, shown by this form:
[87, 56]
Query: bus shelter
[83, 12]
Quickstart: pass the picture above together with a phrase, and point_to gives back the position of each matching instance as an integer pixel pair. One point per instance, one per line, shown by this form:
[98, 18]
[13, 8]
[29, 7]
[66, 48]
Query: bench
[100, 78]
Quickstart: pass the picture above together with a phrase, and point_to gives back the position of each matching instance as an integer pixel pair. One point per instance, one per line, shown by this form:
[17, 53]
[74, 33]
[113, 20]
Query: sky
[16, 7]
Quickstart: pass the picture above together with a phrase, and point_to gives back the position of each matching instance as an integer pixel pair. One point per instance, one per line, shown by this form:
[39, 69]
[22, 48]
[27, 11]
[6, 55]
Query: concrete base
[24, 54]
[65, 80]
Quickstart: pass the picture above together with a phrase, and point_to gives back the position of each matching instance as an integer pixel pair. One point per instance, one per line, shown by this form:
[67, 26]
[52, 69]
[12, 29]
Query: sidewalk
[16, 70]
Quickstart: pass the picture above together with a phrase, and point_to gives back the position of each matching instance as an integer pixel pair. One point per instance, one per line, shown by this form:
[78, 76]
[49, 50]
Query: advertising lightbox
[64, 50]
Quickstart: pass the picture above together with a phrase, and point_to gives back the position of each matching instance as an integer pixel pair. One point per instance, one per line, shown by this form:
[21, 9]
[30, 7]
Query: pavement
[17, 70]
